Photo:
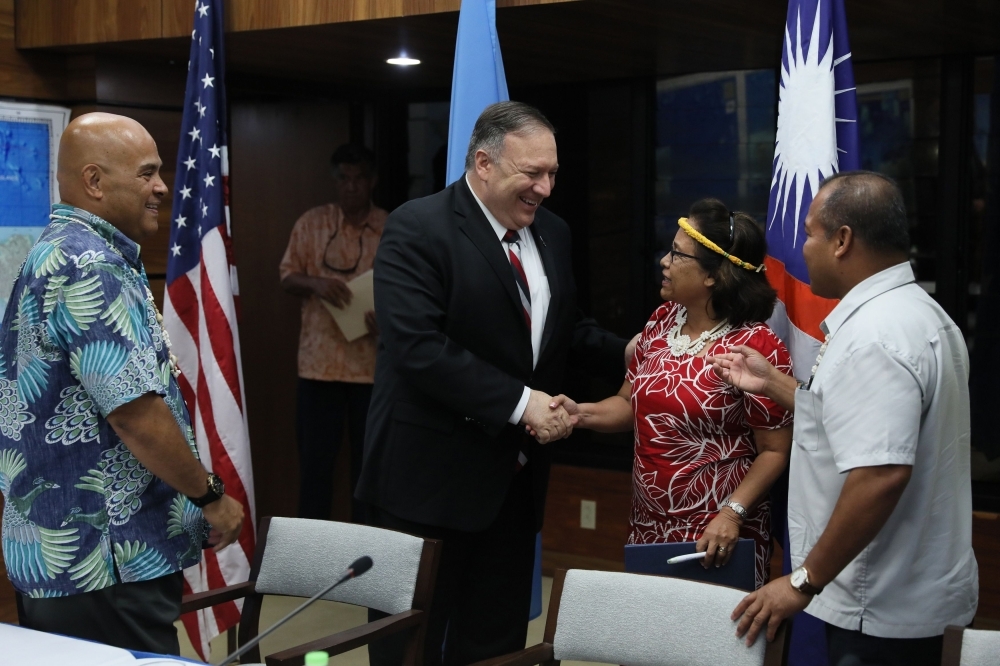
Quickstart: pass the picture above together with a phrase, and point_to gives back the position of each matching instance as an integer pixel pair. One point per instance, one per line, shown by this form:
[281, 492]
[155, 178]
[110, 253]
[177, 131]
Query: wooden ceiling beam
[62, 23]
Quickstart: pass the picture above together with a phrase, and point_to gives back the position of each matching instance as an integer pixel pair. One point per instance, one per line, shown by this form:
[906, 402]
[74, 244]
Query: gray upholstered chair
[970, 647]
[298, 557]
[639, 620]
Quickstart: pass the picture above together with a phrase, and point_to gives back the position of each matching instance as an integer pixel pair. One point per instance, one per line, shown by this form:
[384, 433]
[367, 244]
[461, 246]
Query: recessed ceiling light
[403, 61]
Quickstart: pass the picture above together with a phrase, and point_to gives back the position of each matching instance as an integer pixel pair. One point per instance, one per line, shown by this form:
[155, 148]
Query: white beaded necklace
[681, 345]
[819, 359]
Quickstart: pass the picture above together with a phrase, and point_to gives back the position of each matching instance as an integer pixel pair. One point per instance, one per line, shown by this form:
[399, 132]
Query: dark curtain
[985, 381]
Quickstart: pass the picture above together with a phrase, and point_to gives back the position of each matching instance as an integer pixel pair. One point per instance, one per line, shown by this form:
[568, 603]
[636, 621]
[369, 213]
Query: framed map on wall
[29, 141]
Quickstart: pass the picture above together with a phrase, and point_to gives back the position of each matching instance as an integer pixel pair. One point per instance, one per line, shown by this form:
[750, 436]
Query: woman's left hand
[719, 539]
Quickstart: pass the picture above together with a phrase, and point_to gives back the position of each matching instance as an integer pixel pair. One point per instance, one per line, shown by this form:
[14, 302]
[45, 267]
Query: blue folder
[652, 559]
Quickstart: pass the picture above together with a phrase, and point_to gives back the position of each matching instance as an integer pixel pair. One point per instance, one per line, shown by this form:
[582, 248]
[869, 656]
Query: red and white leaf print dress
[694, 438]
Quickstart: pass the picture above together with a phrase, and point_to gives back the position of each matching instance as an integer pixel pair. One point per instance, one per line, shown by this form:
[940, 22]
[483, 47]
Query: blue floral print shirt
[80, 338]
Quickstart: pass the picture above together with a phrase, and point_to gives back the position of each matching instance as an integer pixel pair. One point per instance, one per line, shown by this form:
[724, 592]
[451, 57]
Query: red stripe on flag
[184, 300]
[805, 309]
[226, 614]
[220, 335]
[220, 457]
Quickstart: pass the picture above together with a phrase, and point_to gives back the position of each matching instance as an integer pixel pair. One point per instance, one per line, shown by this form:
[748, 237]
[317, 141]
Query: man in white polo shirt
[879, 500]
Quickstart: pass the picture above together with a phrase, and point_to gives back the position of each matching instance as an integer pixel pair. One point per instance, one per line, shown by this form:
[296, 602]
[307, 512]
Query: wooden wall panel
[151, 19]
[31, 75]
[177, 17]
[986, 543]
[280, 168]
[62, 22]
[564, 542]
[267, 14]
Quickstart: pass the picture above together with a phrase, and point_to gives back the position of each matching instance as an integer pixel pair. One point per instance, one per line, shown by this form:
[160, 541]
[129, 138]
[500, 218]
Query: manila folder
[351, 319]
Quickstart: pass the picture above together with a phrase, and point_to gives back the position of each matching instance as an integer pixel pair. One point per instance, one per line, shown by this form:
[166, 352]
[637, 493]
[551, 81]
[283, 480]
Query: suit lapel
[475, 225]
[552, 272]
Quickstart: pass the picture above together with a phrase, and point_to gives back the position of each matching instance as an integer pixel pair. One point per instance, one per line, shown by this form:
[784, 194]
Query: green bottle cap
[317, 659]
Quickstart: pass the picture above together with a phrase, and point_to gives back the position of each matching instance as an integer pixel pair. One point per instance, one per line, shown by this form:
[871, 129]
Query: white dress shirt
[891, 389]
[538, 285]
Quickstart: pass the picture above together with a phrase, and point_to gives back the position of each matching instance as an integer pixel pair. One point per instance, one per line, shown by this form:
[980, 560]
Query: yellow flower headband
[698, 236]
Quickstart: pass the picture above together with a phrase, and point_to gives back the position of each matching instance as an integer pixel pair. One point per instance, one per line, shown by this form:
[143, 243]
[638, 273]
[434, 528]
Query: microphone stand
[357, 568]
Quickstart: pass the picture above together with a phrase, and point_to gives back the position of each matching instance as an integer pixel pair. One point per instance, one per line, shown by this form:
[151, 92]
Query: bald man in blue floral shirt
[105, 500]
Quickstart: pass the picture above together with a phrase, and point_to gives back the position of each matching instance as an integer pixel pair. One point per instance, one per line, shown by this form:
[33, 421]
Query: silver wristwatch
[740, 510]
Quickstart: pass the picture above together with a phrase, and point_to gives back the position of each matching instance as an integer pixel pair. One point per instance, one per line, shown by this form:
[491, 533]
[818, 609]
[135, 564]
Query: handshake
[548, 419]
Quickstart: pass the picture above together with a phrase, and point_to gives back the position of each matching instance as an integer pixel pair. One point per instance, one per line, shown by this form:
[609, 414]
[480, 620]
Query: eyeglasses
[673, 254]
[357, 262]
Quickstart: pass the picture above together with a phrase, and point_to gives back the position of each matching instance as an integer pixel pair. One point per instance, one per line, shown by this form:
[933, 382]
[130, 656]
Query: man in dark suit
[475, 299]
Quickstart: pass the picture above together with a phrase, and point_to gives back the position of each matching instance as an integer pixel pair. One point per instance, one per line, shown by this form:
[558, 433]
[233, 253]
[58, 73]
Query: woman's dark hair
[740, 296]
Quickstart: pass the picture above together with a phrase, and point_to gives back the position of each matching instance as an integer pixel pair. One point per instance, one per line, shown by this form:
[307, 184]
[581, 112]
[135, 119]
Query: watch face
[215, 484]
[798, 577]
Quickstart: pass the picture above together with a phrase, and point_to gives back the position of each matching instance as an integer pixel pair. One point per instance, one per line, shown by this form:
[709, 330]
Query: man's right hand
[542, 422]
[333, 289]
[225, 515]
[745, 368]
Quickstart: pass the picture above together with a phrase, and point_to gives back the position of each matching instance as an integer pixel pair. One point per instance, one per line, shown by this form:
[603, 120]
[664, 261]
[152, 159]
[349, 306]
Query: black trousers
[133, 616]
[483, 592]
[322, 409]
[853, 648]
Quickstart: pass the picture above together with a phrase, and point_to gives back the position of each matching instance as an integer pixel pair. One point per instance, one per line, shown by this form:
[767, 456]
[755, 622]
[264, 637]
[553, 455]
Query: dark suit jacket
[454, 357]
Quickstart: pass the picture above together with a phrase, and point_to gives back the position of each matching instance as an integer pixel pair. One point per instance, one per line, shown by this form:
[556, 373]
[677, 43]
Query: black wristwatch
[216, 489]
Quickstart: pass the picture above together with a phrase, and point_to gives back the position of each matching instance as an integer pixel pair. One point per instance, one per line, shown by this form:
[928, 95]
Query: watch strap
[806, 587]
[212, 495]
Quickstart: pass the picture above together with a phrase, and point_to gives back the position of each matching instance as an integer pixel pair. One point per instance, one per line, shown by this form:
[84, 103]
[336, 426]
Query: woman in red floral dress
[706, 454]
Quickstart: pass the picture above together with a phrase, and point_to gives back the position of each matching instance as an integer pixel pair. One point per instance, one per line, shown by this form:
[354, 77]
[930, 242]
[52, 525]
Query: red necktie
[514, 252]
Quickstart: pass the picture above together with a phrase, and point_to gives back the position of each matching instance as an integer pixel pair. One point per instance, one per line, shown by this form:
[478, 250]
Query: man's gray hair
[497, 121]
[871, 204]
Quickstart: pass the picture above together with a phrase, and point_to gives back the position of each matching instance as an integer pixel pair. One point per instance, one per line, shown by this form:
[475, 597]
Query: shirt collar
[864, 291]
[129, 248]
[498, 228]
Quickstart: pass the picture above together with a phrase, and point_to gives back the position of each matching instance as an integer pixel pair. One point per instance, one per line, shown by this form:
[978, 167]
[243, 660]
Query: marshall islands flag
[817, 136]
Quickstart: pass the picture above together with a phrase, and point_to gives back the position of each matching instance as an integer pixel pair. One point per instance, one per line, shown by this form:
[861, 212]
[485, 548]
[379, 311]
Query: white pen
[686, 558]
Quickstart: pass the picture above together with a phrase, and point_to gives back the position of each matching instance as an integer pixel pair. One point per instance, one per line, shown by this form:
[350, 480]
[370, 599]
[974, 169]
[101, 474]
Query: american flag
[200, 313]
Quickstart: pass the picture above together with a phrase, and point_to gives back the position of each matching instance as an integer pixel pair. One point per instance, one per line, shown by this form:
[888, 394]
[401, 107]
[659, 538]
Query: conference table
[21, 647]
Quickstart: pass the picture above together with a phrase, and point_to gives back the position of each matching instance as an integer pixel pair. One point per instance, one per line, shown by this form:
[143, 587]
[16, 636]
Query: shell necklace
[681, 345]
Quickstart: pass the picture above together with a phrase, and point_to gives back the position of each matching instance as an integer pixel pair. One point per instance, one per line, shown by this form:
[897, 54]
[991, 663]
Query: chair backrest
[970, 647]
[643, 620]
[300, 557]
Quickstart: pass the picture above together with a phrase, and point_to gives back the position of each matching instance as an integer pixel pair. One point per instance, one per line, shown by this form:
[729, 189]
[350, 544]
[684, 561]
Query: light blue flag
[478, 79]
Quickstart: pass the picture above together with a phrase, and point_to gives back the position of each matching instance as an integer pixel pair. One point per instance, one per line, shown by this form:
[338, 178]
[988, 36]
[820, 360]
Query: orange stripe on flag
[805, 309]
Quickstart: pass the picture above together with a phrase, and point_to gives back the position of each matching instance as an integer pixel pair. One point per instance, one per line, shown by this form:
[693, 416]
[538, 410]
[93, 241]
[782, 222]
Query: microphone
[358, 567]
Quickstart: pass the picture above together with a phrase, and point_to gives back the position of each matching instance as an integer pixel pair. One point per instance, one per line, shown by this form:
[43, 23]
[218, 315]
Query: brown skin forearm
[781, 388]
[148, 429]
[298, 284]
[774, 448]
[868, 498]
[612, 414]
[721, 534]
